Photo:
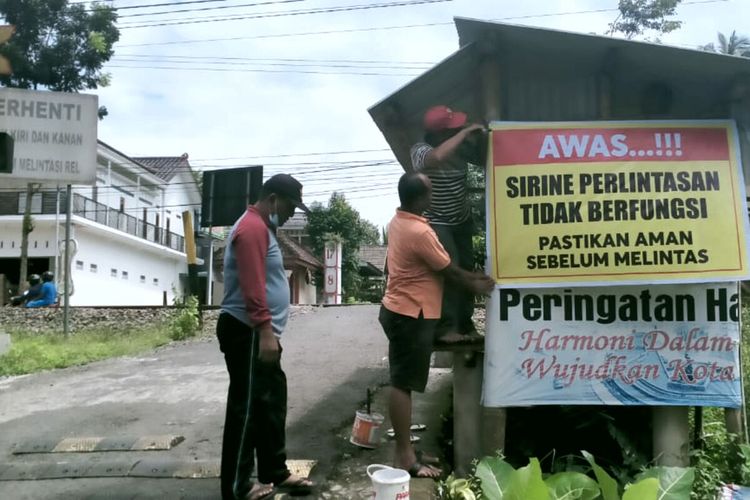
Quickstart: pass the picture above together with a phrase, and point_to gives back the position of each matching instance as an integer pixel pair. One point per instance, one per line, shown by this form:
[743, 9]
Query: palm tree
[735, 45]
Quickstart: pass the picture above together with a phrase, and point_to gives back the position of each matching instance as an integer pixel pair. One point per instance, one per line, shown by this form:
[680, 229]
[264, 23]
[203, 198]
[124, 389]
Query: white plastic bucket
[389, 483]
[366, 429]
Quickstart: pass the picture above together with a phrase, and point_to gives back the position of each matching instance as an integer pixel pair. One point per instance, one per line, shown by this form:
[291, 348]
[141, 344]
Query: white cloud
[249, 114]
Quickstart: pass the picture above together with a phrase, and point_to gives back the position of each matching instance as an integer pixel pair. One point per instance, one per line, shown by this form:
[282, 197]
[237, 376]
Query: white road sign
[54, 136]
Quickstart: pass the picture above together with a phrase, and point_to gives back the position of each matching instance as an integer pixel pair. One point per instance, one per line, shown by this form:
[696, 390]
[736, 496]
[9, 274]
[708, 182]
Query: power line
[373, 179]
[227, 70]
[256, 4]
[317, 153]
[192, 61]
[304, 165]
[302, 175]
[329, 10]
[374, 187]
[283, 35]
[279, 59]
[146, 6]
[218, 64]
[379, 28]
[151, 5]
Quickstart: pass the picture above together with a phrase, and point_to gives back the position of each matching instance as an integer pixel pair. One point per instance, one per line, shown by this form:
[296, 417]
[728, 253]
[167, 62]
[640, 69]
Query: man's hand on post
[481, 284]
[474, 126]
[269, 345]
[476, 283]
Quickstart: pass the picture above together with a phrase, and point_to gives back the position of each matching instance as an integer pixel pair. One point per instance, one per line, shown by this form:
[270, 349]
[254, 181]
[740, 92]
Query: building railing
[97, 212]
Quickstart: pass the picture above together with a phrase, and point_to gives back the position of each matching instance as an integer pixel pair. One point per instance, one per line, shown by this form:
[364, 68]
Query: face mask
[274, 217]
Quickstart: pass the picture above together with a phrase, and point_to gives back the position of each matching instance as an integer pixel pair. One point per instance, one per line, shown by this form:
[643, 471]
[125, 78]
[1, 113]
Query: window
[36, 203]
[93, 268]
[122, 205]
[124, 275]
[156, 281]
[113, 272]
[143, 278]
[79, 265]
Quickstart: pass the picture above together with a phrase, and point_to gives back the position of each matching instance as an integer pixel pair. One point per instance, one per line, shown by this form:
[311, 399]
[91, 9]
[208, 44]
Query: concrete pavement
[331, 355]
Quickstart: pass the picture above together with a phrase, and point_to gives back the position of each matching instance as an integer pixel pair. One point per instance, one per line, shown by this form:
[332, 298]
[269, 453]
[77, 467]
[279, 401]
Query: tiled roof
[296, 222]
[374, 255]
[293, 251]
[165, 167]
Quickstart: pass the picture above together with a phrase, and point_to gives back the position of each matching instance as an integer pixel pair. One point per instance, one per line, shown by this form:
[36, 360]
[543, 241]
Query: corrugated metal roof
[548, 75]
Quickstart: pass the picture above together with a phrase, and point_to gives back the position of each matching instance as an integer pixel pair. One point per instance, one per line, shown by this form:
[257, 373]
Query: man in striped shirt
[450, 143]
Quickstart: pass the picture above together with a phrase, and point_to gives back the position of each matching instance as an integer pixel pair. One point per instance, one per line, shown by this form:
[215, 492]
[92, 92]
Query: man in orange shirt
[417, 265]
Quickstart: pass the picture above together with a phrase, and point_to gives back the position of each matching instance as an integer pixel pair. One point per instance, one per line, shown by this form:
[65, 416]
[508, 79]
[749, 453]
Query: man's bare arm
[442, 152]
[476, 283]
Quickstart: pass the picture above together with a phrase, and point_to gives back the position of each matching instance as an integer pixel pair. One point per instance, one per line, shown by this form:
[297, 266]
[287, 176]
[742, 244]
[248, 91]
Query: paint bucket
[366, 429]
[389, 483]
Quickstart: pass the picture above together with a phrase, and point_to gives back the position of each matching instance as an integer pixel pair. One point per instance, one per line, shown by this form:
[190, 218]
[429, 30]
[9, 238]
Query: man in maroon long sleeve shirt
[253, 317]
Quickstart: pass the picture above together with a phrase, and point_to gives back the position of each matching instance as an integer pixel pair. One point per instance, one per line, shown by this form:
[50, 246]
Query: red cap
[439, 118]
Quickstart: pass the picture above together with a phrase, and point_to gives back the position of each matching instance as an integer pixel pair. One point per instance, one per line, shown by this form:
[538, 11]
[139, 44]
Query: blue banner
[629, 345]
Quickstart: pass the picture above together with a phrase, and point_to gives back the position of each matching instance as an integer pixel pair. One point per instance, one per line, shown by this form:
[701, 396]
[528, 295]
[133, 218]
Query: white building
[127, 231]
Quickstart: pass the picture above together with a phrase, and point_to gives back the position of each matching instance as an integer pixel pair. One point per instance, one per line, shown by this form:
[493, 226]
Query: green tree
[735, 45]
[341, 219]
[57, 46]
[636, 17]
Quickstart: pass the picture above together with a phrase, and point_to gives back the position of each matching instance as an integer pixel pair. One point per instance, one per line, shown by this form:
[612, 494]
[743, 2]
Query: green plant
[496, 479]
[633, 458]
[722, 460]
[455, 489]
[185, 323]
[31, 353]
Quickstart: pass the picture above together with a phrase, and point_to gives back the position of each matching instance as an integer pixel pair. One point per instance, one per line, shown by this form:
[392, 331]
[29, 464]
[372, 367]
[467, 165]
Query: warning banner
[616, 202]
[631, 345]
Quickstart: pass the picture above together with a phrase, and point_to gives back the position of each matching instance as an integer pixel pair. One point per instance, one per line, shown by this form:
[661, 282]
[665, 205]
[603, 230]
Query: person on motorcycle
[33, 293]
[49, 292]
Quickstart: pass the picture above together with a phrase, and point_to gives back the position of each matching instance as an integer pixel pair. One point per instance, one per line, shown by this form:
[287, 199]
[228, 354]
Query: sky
[289, 89]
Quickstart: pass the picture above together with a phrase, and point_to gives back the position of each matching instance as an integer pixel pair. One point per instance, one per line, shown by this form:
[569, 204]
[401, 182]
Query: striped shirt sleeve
[419, 153]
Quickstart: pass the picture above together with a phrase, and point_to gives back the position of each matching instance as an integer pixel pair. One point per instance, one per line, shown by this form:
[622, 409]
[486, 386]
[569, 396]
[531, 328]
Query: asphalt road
[331, 355]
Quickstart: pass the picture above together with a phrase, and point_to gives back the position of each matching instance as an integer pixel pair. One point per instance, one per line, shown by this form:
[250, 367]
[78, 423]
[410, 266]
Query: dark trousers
[256, 412]
[458, 303]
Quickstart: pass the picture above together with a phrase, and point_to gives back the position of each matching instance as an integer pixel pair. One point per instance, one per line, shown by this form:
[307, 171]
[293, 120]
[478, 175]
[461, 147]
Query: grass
[33, 353]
